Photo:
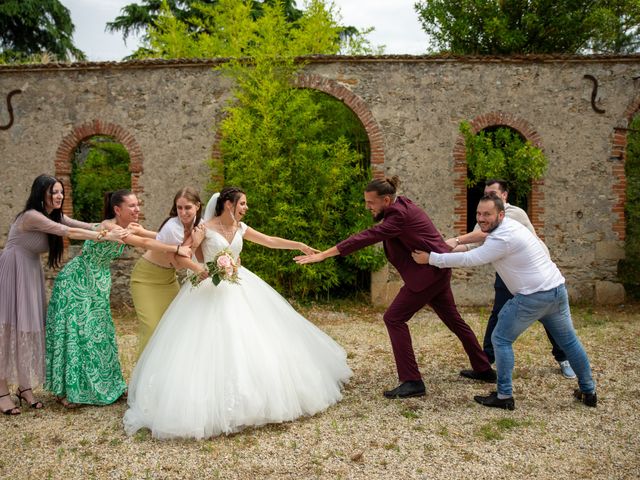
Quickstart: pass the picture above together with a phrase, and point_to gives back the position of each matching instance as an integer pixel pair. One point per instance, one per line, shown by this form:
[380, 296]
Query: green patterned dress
[81, 351]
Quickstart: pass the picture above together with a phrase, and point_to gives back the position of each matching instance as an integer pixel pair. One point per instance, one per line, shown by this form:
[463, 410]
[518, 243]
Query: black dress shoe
[406, 390]
[492, 400]
[589, 399]
[488, 376]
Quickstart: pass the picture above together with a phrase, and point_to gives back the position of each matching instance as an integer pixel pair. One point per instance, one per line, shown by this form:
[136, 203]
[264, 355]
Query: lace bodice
[214, 242]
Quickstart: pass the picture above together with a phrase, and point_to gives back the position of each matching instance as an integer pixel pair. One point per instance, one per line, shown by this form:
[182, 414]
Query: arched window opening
[99, 164]
[501, 152]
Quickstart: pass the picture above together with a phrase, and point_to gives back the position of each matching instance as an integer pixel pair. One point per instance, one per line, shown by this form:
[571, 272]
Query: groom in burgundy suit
[403, 228]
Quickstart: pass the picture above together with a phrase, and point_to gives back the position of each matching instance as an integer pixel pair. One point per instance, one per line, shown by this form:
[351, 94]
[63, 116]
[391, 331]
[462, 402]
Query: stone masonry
[165, 113]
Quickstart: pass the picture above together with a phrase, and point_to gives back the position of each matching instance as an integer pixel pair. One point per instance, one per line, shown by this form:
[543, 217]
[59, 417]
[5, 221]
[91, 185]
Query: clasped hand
[307, 250]
[197, 236]
[117, 234]
[420, 256]
[314, 257]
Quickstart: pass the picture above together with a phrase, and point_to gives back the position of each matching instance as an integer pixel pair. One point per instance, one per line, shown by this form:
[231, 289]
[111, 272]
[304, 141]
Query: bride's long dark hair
[231, 194]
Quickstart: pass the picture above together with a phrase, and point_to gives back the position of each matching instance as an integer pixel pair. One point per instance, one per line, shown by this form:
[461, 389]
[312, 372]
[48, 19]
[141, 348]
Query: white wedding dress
[231, 356]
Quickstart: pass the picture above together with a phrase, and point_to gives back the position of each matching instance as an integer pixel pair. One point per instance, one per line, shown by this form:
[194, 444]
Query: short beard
[379, 216]
[493, 227]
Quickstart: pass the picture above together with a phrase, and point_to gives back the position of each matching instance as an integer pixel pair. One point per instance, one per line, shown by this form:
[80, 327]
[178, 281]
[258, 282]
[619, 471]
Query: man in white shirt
[501, 292]
[539, 293]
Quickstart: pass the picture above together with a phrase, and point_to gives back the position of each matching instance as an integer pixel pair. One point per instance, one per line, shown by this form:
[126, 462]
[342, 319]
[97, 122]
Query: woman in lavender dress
[37, 229]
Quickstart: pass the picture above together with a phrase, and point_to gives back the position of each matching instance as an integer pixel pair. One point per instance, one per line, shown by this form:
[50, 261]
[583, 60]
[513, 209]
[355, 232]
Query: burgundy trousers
[440, 298]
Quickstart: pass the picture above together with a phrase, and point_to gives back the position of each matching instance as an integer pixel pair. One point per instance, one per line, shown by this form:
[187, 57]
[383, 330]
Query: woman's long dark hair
[42, 185]
[190, 194]
[232, 194]
[112, 199]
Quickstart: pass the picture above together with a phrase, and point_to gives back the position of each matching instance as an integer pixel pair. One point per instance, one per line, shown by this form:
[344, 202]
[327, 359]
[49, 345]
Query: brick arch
[618, 157]
[357, 106]
[351, 100]
[65, 152]
[495, 119]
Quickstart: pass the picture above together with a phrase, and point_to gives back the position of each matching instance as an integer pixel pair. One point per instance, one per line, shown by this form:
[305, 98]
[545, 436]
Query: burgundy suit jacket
[405, 228]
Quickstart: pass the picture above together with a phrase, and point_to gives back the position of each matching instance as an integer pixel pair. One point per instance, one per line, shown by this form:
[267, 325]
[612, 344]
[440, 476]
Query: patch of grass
[142, 435]
[392, 446]
[488, 432]
[494, 430]
[207, 447]
[334, 425]
[587, 317]
[410, 414]
[509, 423]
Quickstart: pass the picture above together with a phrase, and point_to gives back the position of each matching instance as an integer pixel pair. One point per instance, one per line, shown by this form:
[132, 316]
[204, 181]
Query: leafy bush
[502, 153]
[629, 268]
[100, 165]
[300, 185]
[301, 156]
[298, 154]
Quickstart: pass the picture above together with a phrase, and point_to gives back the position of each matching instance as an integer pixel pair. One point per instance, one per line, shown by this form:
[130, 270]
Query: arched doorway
[68, 147]
[532, 204]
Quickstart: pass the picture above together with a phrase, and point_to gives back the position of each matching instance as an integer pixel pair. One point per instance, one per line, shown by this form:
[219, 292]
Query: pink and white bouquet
[222, 267]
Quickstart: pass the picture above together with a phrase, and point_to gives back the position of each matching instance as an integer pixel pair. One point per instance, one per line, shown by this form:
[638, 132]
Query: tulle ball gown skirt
[232, 356]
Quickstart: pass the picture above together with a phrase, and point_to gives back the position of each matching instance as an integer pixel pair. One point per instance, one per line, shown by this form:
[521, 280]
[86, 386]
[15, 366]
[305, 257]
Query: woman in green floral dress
[82, 365]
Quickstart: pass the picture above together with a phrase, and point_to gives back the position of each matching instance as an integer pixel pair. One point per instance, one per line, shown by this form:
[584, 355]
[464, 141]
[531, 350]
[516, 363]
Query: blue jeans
[502, 296]
[551, 307]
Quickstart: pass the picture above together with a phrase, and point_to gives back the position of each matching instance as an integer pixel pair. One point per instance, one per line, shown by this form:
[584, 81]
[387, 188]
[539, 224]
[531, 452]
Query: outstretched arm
[151, 244]
[463, 242]
[183, 262]
[318, 257]
[276, 242]
[140, 231]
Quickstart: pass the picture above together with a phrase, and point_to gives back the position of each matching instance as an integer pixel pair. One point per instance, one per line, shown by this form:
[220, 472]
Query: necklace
[227, 233]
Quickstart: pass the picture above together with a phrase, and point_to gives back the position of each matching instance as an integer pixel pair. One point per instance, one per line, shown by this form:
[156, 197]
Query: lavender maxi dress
[23, 303]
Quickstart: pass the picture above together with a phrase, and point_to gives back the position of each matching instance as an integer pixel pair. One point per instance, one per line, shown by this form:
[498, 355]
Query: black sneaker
[492, 400]
[407, 389]
[589, 399]
[488, 376]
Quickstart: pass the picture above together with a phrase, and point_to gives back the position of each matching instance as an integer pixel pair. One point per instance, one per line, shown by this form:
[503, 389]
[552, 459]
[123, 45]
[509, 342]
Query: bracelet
[457, 241]
[177, 249]
[101, 234]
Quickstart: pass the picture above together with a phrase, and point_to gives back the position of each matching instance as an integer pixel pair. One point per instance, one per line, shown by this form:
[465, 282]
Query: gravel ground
[444, 435]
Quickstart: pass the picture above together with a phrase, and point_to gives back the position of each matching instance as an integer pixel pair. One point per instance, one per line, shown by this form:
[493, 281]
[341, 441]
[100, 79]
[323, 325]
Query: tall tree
[531, 26]
[32, 27]
[303, 173]
[139, 18]
[196, 16]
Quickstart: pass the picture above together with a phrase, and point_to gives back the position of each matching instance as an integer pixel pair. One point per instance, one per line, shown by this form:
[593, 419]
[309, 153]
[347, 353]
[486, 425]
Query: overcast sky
[395, 21]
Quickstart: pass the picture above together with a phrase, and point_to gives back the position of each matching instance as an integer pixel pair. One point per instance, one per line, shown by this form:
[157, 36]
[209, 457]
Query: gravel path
[444, 435]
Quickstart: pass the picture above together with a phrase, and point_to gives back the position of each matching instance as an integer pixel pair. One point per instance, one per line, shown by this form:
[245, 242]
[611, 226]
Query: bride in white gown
[231, 356]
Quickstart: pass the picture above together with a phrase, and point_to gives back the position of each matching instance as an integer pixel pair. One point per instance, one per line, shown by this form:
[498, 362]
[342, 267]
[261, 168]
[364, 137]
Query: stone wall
[165, 114]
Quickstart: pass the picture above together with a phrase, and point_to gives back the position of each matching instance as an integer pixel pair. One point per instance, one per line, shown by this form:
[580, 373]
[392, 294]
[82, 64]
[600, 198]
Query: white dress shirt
[518, 256]
[518, 214]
